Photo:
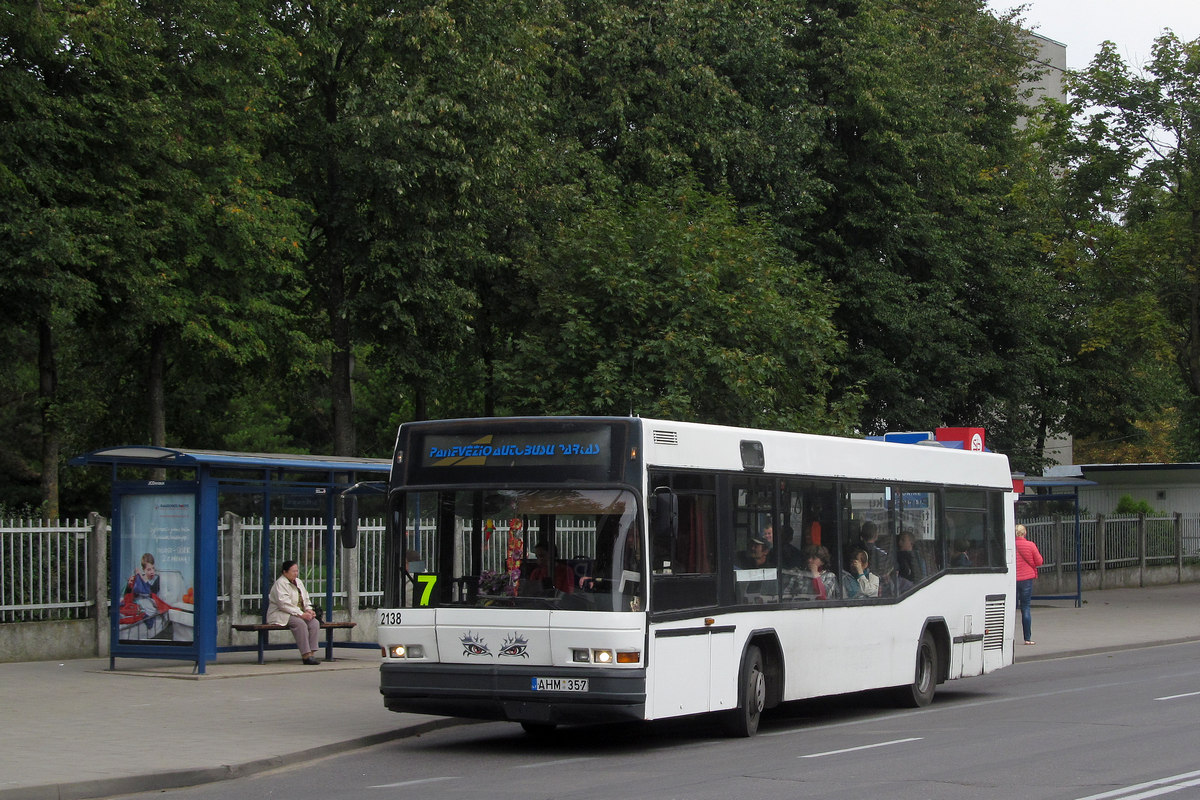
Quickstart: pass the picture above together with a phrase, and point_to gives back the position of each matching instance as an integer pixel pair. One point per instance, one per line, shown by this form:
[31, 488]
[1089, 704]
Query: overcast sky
[1083, 24]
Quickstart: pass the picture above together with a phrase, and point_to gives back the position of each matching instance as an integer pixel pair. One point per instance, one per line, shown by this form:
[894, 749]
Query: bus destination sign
[590, 447]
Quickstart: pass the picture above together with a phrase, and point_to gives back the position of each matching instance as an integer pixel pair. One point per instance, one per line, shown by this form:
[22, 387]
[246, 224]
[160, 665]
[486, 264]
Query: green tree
[141, 217]
[211, 281]
[63, 74]
[1138, 154]
[664, 90]
[918, 146]
[669, 305]
[407, 121]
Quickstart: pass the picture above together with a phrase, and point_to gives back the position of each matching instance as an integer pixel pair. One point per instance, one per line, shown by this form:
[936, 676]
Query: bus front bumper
[507, 693]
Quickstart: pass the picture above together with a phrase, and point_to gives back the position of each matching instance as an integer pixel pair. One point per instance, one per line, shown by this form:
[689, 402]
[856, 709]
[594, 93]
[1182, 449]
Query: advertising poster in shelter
[157, 569]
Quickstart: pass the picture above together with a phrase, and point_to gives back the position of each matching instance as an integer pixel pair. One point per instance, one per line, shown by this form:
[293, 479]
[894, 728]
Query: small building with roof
[1169, 488]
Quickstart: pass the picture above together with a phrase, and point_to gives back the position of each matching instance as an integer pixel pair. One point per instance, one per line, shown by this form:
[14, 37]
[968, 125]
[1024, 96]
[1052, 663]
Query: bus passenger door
[694, 670]
[683, 583]
[681, 663]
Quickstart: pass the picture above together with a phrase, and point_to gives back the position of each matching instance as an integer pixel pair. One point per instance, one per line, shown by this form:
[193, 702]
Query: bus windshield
[558, 548]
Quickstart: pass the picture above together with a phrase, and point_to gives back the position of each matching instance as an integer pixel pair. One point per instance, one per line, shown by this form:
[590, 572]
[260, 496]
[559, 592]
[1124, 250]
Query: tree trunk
[1191, 357]
[155, 388]
[47, 394]
[341, 394]
[420, 402]
[342, 369]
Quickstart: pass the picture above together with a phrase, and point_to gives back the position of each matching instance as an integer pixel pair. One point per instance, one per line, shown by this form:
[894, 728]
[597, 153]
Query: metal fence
[1115, 542]
[44, 565]
[303, 541]
[44, 570]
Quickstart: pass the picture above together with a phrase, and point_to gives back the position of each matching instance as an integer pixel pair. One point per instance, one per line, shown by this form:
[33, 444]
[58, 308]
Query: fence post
[233, 568]
[1101, 547]
[1179, 547]
[1056, 542]
[98, 580]
[1141, 550]
[350, 578]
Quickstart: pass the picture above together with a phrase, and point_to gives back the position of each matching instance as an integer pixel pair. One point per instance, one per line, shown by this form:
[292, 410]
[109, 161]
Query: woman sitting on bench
[290, 606]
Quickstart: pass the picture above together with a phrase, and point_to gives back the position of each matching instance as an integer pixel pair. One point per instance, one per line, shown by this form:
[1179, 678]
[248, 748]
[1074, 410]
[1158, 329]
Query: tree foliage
[669, 305]
[1135, 168]
[271, 226]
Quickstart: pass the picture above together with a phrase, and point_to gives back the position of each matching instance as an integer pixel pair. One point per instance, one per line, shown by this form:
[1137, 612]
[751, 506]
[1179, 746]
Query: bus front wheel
[920, 693]
[752, 696]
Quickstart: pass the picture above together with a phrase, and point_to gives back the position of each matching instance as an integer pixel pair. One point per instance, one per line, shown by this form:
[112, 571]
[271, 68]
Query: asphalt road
[1116, 726]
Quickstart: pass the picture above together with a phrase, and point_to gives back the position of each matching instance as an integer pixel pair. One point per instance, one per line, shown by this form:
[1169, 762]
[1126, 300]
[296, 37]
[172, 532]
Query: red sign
[971, 438]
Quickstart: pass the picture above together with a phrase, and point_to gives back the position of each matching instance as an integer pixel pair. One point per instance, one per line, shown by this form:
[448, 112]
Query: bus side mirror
[664, 513]
[348, 509]
[348, 521]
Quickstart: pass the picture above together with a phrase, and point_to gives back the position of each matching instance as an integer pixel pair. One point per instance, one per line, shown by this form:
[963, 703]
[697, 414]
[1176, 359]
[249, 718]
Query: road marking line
[1177, 696]
[863, 747]
[938, 709]
[1182, 781]
[413, 783]
[555, 763]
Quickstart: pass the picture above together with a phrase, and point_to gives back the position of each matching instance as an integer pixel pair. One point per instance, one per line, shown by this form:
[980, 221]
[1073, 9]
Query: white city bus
[582, 569]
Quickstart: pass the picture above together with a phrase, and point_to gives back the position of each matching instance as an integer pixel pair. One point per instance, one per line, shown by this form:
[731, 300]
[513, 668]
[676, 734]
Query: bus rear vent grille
[665, 437]
[993, 637]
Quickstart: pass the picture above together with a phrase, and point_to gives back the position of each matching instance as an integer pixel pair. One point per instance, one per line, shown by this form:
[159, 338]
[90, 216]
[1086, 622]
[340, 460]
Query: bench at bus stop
[264, 630]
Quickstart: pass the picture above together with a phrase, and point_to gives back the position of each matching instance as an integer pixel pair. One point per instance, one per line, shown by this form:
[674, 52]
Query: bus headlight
[406, 651]
[582, 655]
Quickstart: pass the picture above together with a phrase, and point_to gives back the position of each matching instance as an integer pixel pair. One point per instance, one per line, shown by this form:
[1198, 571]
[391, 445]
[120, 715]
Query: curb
[1094, 651]
[178, 779]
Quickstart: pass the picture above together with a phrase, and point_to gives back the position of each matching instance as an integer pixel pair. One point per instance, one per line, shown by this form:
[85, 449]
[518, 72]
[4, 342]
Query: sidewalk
[76, 730]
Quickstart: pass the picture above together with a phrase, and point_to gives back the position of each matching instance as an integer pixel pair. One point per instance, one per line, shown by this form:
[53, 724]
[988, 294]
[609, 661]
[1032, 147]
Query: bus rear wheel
[752, 696]
[920, 693]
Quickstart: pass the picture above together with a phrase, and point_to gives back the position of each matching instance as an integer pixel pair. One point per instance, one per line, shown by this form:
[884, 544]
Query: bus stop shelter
[1060, 489]
[164, 565]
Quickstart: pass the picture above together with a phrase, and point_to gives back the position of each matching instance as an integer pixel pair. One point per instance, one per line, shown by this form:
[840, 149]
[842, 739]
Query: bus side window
[684, 578]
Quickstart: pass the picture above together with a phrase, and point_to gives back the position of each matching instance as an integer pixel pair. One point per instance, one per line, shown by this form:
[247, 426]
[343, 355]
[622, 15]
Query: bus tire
[920, 693]
[752, 696]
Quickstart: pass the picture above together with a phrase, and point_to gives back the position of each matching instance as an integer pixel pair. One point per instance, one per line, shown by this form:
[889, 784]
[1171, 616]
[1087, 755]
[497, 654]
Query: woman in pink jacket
[1028, 560]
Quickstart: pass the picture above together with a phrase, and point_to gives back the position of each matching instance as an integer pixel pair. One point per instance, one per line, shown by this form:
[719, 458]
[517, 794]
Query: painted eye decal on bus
[474, 645]
[514, 646]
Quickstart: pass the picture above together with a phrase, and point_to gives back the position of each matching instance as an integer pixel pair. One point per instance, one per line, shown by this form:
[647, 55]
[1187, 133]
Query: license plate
[560, 684]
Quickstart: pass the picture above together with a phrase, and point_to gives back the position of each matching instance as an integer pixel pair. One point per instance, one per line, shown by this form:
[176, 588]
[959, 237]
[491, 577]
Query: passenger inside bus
[538, 582]
[962, 557]
[755, 554]
[859, 583]
[768, 536]
[756, 579]
[877, 556]
[617, 567]
[910, 562]
[791, 556]
[815, 581]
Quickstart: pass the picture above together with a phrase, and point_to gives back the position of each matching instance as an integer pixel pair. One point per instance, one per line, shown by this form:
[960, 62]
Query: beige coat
[287, 600]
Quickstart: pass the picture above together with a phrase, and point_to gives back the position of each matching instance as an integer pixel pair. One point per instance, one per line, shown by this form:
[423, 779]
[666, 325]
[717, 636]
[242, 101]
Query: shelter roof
[151, 456]
[1056, 481]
